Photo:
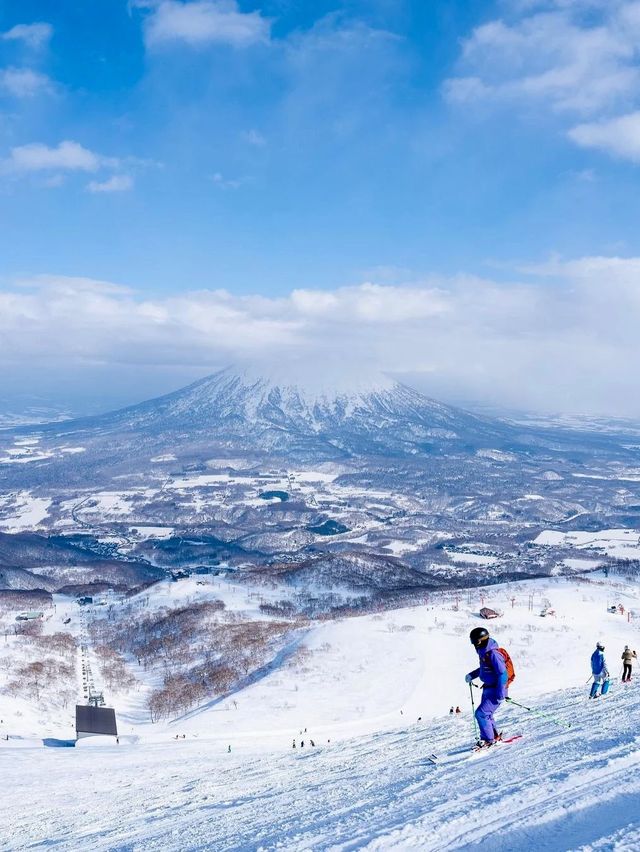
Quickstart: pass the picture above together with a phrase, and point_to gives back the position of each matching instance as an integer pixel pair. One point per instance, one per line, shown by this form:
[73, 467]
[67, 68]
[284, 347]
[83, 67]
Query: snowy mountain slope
[233, 414]
[241, 408]
[352, 572]
[55, 562]
[18, 578]
[251, 412]
[367, 783]
[556, 789]
[357, 675]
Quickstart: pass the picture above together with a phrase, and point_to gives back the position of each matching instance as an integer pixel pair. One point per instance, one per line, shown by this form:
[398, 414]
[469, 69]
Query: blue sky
[269, 148]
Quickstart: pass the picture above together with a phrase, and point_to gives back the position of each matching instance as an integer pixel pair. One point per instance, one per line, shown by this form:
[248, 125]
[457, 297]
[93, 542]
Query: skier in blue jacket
[599, 671]
[493, 674]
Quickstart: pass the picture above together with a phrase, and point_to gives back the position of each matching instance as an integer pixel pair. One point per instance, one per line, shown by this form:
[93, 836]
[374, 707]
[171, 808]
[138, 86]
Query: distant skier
[458, 711]
[494, 676]
[599, 671]
[628, 656]
[451, 711]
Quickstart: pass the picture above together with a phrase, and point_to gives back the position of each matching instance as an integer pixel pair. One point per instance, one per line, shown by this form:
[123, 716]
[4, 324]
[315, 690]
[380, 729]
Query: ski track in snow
[555, 789]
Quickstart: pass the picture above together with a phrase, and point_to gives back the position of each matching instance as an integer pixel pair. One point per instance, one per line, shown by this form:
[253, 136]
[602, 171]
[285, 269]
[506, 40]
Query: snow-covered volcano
[241, 410]
[375, 423]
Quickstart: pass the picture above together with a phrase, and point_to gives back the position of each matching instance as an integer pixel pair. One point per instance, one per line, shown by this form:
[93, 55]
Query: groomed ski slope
[555, 789]
[355, 676]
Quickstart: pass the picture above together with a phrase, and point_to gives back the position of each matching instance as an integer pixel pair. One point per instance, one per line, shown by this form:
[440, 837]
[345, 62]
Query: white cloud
[371, 303]
[571, 57]
[564, 336]
[24, 82]
[116, 183]
[202, 22]
[67, 156]
[32, 35]
[611, 276]
[619, 136]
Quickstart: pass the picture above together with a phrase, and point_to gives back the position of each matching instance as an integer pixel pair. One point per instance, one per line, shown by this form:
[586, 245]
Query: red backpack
[511, 672]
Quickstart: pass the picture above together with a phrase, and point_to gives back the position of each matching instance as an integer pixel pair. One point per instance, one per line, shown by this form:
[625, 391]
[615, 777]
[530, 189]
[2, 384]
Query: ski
[502, 741]
[467, 751]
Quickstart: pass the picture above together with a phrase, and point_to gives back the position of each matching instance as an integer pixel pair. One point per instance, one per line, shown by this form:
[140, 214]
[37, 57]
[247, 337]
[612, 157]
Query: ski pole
[473, 711]
[540, 713]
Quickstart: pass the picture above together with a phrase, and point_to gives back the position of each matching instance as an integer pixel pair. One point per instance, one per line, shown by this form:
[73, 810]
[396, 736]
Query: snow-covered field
[25, 450]
[21, 511]
[622, 543]
[373, 692]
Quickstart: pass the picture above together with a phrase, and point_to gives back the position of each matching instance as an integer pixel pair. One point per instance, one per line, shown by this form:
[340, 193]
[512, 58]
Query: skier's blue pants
[484, 714]
[596, 683]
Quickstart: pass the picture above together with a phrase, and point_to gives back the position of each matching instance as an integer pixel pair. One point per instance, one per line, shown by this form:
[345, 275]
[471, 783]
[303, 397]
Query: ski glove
[468, 678]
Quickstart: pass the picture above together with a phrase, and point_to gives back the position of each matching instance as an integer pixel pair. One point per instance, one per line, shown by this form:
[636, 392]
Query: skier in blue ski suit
[493, 674]
[599, 671]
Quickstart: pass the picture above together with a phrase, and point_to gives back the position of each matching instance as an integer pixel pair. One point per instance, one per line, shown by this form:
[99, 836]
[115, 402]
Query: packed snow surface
[373, 692]
[555, 789]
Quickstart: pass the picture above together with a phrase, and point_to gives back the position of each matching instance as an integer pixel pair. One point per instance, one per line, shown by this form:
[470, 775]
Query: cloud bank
[563, 337]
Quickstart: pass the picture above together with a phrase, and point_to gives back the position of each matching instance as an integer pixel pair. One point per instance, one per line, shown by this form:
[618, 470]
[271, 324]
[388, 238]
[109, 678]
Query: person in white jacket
[628, 656]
